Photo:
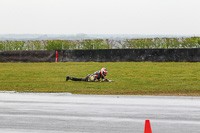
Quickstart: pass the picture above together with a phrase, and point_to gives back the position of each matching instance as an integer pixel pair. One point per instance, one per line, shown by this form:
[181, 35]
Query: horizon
[25, 37]
[96, 34]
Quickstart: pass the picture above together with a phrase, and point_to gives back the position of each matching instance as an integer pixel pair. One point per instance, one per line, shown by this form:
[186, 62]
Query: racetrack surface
[62, 112]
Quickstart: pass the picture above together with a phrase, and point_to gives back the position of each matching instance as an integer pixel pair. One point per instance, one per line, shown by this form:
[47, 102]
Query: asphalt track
[66, 113]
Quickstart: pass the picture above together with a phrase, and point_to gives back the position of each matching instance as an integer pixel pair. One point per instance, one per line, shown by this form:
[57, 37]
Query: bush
[192, 42]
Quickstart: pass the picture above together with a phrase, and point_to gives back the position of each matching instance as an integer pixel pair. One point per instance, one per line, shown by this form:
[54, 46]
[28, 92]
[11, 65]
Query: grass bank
[131, 78]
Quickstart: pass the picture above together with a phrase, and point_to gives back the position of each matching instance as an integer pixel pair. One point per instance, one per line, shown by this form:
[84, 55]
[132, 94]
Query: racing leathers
[95, 77]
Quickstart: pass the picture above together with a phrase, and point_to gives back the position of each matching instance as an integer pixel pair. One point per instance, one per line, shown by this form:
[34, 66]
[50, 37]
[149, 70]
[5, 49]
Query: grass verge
[131, 78]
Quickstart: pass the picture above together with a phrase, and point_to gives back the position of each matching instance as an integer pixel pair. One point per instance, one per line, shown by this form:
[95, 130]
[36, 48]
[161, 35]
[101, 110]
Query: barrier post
[56, 56]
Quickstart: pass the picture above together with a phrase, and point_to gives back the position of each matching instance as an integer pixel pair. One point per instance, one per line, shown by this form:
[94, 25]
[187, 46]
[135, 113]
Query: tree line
[144, 43]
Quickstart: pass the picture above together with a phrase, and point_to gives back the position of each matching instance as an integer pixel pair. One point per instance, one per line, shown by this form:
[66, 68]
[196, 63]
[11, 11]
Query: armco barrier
[103, 55]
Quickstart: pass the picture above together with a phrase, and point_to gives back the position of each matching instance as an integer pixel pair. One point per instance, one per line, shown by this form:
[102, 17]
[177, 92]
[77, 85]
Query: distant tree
[53, 45]
[38, 45]
[121, 43]
[87, 44]
[198, 42]
[157, 43]
[17, 45]
[189, 42]
[98, 44]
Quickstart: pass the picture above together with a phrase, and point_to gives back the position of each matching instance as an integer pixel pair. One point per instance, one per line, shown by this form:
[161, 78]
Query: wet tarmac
[67, 113]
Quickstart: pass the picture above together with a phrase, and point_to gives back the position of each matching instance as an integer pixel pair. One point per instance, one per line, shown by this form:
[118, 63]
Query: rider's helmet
[104, 71]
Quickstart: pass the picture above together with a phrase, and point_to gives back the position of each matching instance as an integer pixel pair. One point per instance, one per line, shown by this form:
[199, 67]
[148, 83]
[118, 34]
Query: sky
[100, 17]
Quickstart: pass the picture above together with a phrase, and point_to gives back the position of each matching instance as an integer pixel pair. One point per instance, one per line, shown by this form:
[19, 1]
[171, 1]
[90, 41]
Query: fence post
[56, 56]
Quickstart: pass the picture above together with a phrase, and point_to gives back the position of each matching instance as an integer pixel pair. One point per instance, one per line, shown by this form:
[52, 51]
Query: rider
[95, 77]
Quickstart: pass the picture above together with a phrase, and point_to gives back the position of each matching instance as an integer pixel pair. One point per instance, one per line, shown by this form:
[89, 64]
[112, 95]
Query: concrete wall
[27, 56]
[122, 55]
[103, 55]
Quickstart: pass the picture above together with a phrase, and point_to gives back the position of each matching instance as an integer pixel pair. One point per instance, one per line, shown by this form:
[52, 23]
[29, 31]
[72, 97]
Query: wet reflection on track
[62, 112]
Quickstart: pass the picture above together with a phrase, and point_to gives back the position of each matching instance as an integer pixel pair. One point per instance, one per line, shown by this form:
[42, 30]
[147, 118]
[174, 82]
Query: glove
[106, 80]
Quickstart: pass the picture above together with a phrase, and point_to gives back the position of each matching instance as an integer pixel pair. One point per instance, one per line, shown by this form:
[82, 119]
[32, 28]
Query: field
[130, 78]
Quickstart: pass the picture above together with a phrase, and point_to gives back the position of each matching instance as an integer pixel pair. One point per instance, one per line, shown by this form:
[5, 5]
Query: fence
[103, 55]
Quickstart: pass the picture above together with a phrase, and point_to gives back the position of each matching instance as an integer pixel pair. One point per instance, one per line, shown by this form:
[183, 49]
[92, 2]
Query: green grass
[131, 78]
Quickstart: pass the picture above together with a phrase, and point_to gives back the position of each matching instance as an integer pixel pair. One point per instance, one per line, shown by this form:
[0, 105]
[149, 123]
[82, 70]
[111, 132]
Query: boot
[67, 78]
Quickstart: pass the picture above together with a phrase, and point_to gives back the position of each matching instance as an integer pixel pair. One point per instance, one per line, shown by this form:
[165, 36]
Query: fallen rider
[95, 77]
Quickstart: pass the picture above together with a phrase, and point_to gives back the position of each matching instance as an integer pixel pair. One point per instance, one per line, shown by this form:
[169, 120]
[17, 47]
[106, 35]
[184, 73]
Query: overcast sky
[100, 16]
